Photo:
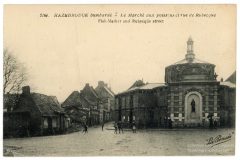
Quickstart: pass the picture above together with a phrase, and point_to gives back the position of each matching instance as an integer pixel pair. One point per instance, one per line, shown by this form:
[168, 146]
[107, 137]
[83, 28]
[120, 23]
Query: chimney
[100, 83]
[26, 90]
[221, 79]
[106, 85]
[87, 84]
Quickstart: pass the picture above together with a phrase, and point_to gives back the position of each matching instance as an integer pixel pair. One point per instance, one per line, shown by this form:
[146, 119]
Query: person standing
[215, 123]
[119, 126]
[134, 127]
[115, 128]
[210, 122]
[170, 124]
[85, 128]
[102, 125]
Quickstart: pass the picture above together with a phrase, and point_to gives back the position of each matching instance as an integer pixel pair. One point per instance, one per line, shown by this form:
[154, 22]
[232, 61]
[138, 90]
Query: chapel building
[190, 95]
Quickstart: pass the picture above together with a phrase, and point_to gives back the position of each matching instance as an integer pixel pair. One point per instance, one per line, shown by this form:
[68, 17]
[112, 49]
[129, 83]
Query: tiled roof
[109, 91]
[90, 93]
[147, 86]
[46, 104]
[94, 92]
[77, 99]
[138, 83]
[72, 100]
[85, 101]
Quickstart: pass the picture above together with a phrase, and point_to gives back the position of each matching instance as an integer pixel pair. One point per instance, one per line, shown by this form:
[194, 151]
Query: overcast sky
[63, 54]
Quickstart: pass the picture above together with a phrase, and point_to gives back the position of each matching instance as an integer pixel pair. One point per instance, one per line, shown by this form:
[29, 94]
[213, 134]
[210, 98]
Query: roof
[109, 91]
[103, 91]
[77, 99]
[138, 83]
[147, 86]
[72, 100]
[232, 78]
[94, 92]
[195, 60]
[229, 84]
[47, 105]
[90, 93]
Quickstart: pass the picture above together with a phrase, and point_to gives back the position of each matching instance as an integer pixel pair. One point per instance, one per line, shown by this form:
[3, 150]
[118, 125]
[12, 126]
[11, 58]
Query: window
[211, 102]
[54, 122]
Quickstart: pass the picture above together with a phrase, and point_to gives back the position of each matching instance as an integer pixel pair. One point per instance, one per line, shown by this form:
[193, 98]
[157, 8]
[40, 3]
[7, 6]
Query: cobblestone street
[149, 142]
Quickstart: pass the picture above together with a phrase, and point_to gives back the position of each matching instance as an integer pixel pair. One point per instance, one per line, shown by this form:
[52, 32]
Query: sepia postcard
[119, 80]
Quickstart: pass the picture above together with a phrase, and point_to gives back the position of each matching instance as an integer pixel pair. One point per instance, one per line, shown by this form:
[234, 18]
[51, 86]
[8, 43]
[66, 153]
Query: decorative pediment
[190, 72]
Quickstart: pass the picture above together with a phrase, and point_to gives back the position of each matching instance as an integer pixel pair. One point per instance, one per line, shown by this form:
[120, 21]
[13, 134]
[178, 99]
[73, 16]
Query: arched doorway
[193, 108]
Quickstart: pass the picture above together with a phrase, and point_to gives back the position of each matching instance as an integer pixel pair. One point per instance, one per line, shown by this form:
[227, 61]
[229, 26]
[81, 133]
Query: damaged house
[82, 107]
[36, 114]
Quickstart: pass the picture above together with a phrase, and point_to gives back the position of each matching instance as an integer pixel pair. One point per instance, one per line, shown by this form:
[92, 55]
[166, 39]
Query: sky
[63, 54]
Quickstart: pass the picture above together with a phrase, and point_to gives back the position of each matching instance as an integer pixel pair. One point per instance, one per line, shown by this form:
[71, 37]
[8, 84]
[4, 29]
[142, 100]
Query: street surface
[148, 142]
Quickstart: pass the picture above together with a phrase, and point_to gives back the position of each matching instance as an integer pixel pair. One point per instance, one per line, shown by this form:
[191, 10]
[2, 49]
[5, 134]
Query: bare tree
[14, 73]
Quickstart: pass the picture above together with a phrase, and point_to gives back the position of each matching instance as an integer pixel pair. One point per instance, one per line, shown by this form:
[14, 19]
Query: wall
[16, 124]
[26, 104]
[210, 101]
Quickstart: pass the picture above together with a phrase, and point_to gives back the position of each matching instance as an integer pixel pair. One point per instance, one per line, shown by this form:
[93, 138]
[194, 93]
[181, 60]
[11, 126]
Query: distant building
[227, 94]
[80, 109]
[83, 106]
[190, 95]
[232, 78]
[38, 114]
[106, 98]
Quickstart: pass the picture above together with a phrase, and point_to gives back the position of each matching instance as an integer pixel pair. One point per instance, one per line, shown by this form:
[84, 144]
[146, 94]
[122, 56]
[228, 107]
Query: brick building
[188, 97]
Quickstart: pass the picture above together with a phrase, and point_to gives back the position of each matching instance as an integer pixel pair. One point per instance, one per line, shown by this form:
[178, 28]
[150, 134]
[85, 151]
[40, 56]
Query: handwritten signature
[213, 141]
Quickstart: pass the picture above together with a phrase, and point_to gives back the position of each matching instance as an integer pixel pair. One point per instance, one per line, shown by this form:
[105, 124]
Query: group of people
[118, 127]
[212, 122]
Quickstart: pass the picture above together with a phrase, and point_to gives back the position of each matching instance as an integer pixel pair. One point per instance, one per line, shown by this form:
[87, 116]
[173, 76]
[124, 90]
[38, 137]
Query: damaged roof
[48, 105]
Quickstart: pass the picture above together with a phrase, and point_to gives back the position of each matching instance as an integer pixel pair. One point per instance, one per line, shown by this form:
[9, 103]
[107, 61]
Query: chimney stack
[26, 90]
[100, 83]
